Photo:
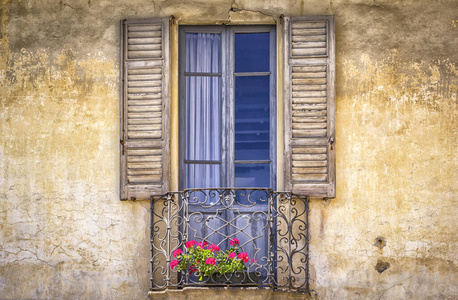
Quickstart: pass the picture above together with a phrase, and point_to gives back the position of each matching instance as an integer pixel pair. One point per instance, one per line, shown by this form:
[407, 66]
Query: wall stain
[381, 266]
[4, 40]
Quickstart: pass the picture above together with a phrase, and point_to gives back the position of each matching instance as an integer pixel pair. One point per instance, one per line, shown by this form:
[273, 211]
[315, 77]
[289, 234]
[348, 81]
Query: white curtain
[203, 105]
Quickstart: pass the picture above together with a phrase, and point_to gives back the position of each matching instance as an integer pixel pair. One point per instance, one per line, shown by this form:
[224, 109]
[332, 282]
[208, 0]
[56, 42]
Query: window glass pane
[201, 124]
[252, 175]
[203, 118]
[252, 118]
[202, 176]
[252, 52]
[203, 52]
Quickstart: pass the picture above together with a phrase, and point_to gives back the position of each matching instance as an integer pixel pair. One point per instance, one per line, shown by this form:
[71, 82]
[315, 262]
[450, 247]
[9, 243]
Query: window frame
[154, 154]
[228, 76]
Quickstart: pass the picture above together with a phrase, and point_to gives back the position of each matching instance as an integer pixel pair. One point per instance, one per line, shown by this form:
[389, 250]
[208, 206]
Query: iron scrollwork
[272, 228]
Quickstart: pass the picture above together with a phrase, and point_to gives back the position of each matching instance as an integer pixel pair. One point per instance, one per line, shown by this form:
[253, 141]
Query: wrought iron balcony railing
[272, 228]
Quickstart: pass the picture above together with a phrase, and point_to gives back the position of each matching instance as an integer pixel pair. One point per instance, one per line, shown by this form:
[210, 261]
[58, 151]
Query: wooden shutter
[309, 105]
[144, 108]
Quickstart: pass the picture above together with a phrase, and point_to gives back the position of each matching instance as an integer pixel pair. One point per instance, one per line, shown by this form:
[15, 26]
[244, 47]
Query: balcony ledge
[226, 293]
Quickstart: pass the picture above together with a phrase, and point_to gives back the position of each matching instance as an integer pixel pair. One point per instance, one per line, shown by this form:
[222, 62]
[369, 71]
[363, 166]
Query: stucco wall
[65, 234]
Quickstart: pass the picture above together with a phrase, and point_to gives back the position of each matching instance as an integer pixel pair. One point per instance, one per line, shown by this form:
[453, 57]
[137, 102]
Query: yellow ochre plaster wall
[64, 234]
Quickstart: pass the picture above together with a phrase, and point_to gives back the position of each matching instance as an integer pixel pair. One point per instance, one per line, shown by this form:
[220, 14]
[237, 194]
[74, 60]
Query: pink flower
[254, 260]
[174, 263]
[202, 244]
[244, 256]
[231, 255]
[213, 247]
[234, 241]
[210, 261]
[177, 252]
[190, 244]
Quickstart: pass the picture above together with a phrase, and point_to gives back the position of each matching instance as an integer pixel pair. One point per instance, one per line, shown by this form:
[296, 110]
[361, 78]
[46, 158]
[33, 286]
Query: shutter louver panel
[308, 38]
[144, 165]
[309, 102]
[144, 41]
[144, 102]
[309, 106]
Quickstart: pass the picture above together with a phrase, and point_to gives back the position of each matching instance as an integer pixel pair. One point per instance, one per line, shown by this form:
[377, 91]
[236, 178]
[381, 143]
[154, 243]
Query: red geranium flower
[202, 244]
[210, 261]
[214, 247]
[234, 241]
[192, 269]
[190, 244]
[231, 255]
[177, 252]
[174, 263]
[244, 256]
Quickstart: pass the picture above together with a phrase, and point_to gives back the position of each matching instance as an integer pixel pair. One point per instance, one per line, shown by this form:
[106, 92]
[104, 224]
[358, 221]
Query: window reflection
[252, 52]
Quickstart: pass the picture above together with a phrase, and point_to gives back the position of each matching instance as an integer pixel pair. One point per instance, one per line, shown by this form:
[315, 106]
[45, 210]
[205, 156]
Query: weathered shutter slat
[309, 105]
[144, 108]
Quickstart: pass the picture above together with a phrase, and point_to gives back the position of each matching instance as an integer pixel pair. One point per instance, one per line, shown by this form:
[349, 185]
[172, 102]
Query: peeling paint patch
[380, 242]
[381, 266]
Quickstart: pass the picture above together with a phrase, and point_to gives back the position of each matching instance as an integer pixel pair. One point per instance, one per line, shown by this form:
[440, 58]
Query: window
[306, 92]
[236, 115]
[227, 106]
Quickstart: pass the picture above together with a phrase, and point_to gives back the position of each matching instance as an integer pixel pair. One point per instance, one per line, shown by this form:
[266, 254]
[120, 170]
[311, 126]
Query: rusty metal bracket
[331, 142]
[122, 144]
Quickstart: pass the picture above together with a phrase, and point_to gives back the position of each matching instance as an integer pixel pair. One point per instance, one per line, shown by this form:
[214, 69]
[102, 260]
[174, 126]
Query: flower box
[232, 278]
[209, 263]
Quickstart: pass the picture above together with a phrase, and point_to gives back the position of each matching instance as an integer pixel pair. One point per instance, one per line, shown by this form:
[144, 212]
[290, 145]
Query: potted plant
[211, 264]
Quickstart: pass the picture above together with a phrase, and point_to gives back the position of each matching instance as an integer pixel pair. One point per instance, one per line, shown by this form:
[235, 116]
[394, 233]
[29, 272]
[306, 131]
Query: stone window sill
[226, 293]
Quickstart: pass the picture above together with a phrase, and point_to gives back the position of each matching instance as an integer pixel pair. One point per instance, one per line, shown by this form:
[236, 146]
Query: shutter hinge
[331, 141]
[122, 144]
